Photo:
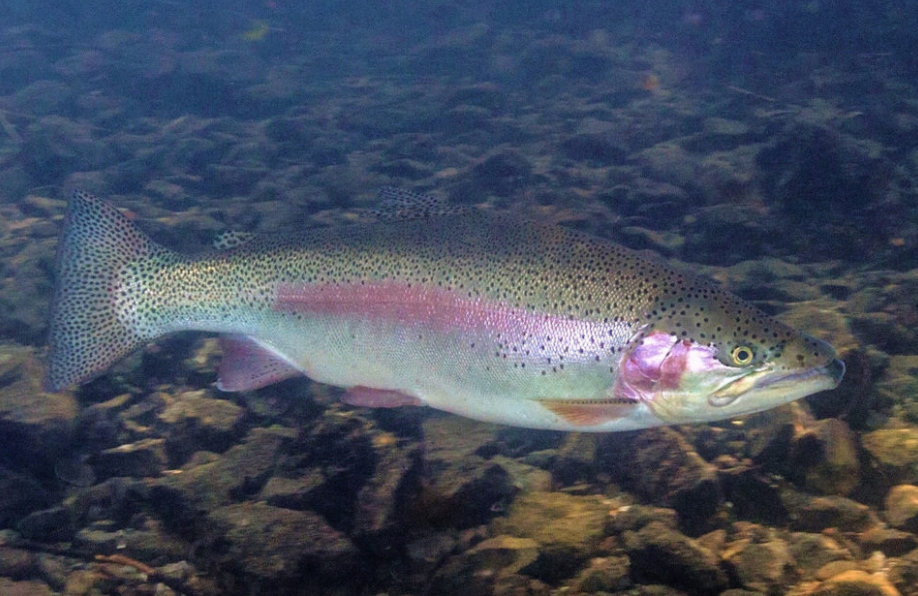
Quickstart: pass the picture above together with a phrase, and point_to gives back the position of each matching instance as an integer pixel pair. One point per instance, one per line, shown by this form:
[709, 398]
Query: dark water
[772, 146]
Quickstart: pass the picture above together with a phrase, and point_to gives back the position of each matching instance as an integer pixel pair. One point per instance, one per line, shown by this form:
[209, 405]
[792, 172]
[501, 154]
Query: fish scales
[487, 315]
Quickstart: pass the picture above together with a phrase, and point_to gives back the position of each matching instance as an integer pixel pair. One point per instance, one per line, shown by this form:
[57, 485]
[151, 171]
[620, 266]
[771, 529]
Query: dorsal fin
[399, 204]
[231, 239]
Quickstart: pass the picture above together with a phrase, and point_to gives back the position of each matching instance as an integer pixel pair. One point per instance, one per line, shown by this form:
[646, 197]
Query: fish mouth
[766, 383]
[833, 372]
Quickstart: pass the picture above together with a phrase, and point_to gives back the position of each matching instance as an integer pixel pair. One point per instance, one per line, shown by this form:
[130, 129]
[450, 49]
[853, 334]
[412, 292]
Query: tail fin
[88, 329]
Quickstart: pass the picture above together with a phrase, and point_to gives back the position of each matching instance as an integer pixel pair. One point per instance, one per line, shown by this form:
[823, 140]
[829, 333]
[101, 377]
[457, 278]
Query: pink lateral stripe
[435, 308]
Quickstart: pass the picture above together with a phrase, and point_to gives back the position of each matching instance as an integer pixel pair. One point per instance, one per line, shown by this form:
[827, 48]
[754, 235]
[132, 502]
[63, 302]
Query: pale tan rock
[856, 583]
[902, 507]
[896, 452]
[834, 568]
[506, 553]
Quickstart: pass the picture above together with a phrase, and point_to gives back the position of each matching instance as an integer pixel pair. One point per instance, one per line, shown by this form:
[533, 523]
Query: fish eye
[741, 355]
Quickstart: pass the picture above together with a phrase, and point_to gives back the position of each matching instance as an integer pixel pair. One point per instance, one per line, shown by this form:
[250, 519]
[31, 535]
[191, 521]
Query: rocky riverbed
[792, 185]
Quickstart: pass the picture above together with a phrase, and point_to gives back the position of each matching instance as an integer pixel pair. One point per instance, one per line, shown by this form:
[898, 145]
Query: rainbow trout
[485, 315]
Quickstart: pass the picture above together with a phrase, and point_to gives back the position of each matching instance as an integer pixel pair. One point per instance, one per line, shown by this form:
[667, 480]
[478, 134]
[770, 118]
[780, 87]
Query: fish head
[726, 367]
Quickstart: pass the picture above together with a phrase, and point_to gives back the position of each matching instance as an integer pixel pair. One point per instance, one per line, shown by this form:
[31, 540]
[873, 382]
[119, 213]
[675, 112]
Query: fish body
[485, 315]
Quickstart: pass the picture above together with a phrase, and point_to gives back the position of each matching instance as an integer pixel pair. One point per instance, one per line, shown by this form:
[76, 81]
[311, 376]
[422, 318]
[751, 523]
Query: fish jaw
[683, 382]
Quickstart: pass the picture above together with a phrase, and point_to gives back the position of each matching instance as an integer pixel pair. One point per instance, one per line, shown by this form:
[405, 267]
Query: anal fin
[368, 397]
[247, 366]
[582, 413]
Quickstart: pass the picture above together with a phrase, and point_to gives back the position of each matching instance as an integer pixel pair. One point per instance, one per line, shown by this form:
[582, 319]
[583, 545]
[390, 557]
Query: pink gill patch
[246, 366]
[658, 362]
[368, 397]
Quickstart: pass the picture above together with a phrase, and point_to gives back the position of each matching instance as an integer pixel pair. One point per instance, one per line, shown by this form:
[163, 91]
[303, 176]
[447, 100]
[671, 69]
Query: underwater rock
[226, 178]
[459, 577]
[843, 180]
[753, 494]
[825, 458]
[724, 139]
[24, 588]
[594, 149]
[567, 528]
[43, 97]
[426, 554]
[502, 174]
[634, 517]
[408, 169]
[55, 146]
[35, 426]
[116, 499]
[89, 582]
[574, 460]
[484, 95]
[146, 457]
[903, 573]
[856, 583]
[890, 542]
[902, 507]
[770, 436]
[185, 574]
[520, 585]
[669, 162]
[728, 233]
[659, 553]
[280, 549]
[47, 525]
[895, 451]
[52, 569]
[340, 458]
[557, 518]
[898, 386]
[493, 566]
[468, 121]
[604, 575]
[529, 478]
[291, 493]
[654, 203]
[724, 127]
[19, 495]
[14, 182]
[380, 518]
[25, 287]
[241, 471]
[814, 514]
[151, 543]
[812, 552]
[855, 401]
[18, 563]
[196, 421]
[835, 568]
[766, 567]
[886, 331]
[503, 553]
[464, 489]
[661, 466]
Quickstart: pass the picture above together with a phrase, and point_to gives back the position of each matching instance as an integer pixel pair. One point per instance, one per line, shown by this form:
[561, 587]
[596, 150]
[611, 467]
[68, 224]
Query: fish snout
[821, 350]
[836, 370]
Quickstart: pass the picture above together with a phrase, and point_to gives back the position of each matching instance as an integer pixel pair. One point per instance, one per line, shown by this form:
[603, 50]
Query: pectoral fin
[584, 413]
